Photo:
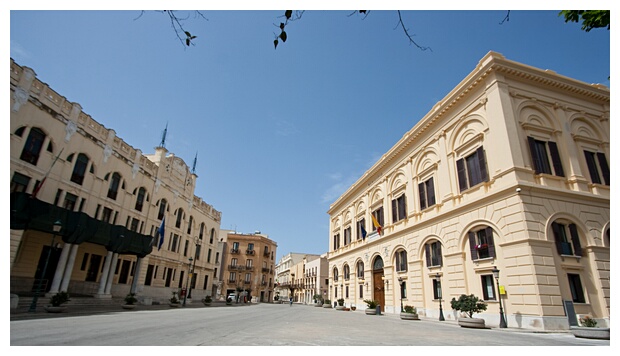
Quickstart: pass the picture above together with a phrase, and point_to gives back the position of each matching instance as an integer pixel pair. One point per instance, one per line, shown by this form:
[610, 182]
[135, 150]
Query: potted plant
[353, 307]
[130, 301]
[318, 300]
[57, 301]
[371, 306]
[174, 301]
[327, 303]
[340, 305]
[409, 313]
[207, 300]
[469, 304]
[589, 329]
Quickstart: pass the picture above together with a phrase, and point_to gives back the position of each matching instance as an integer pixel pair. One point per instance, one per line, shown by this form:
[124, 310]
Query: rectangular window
[361, 291]
[436, 289]
[217, 257]
[198, 250]
[472, 170]
[134, 224]
[233, 262]
[598, 167]
[185, 247]
[361, 229]
[81, 208]
[540, 152]
[336, 241]
[209, 256]
[57, 198]
[401, 261]
[427, 193]
[175, 241]
[232, 277]
[70, 201]
[566, 245]
[248, 278]
[576, 289]
[378, 214]
[488, 291]
[250, 247]
[107, 214]
[84, 262]
[346, 291]
[481, 244]
[19, 183]
[347, 236]
[433, 254]
[399, 208]
[403, 290]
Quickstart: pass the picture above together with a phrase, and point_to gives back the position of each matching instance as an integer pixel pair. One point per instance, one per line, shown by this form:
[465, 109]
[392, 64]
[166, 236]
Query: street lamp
[502, 320]
[189, 294]
[56, 228]
[187, 283]
[439, 295]
[400, 282]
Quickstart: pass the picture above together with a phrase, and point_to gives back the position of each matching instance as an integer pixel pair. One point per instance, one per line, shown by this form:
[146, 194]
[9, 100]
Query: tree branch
[400, 21]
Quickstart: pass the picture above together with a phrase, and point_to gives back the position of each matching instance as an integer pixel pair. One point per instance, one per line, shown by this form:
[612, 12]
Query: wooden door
[379, 288]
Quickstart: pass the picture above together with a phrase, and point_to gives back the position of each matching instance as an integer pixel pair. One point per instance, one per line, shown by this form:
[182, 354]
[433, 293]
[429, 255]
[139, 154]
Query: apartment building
[128, 220]
[249, 266]
[508, 173]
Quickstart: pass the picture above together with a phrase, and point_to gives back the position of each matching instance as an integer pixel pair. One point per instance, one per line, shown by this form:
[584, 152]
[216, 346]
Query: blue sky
[281, 134]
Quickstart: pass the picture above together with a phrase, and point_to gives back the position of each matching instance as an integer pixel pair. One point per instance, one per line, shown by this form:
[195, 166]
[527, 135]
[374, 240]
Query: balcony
[266, 254]
[249, 268]
[265, 270]
[250, 252]
[234, 251]
[233, 267]
[247, 282]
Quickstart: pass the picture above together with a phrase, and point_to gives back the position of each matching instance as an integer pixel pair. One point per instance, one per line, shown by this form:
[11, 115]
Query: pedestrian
[290, 301]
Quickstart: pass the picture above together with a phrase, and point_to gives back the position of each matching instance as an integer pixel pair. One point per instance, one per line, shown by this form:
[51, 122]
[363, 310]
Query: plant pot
[409, 316]
[318, 305]
[53, 309]
[475, 323]
[128, 306]
[371, 311]
[327, 305]
[175, 305]
[339, 307]
[590, 332]
[353, 308]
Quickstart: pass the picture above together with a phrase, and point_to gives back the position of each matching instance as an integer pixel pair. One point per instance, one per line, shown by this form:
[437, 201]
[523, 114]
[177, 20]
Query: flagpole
[38, 187]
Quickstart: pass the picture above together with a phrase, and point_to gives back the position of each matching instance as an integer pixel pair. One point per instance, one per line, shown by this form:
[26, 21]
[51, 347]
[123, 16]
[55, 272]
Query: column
[60, 269]
[108, 285]
[66, 277]
[104, 275]
[136, 275]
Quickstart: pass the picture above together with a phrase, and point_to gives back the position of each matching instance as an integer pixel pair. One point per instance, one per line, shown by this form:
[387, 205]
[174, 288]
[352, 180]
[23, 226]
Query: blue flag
[161, 233]
[363, 231]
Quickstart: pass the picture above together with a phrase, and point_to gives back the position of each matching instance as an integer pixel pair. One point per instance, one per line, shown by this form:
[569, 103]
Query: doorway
[54, 257]
[377, 282]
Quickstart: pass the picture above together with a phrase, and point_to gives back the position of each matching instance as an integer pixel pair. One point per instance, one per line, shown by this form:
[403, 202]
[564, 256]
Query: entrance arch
[377, 282]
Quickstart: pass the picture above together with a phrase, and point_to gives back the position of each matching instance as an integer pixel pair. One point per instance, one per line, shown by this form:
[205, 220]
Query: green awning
[29, 213]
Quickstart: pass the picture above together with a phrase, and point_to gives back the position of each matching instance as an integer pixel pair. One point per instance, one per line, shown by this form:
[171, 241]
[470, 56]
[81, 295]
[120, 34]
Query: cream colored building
[111, 200]
[316, 282]
[248, 266]
[509, 170]
[284, 280]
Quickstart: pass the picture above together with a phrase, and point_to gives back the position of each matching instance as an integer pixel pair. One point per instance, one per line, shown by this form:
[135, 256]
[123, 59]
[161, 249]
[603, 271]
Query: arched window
[481, 243]
[433, 254]
[32, 148]
[566, 244]
[202, 230]
[189, 225]
[401, 260]
[114, 183]
[179, 218]
[79, 169]
[335, 274]
[360, 269]
[212, 235]
[140, 198]
[162, 209]
[346, 272]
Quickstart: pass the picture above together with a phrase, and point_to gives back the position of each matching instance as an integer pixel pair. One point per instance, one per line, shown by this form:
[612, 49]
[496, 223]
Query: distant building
[509, 172]
[111, 200]
[298, 276]
[248, 266]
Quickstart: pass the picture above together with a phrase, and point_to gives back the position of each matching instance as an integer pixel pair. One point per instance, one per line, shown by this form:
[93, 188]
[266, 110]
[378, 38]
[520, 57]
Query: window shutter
[556, 233]
[439, 254]
[602, 161]
[535, 161]
[394, 211]
[592, 167]
[555, 158]
[490, 242]
[462, 174]
[575, 239]
[427, 247]
[430, 192]
[472, 245]
[422, 196]
[484, 175]
[485, 294]
[402, 207]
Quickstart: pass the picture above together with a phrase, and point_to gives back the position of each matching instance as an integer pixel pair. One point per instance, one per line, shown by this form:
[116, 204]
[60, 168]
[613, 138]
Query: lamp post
[400, 282]
[56, 228]
[189, 294]
[502, 320]
[187, 283]
[439, 295]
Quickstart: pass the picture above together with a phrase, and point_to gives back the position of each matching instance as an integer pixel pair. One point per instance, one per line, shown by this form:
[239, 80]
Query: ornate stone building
[129, 221]
[509, 172]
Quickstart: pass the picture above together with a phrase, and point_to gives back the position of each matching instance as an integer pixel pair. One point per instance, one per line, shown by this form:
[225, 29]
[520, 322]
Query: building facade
[130, 222]
[315, 278]
[509, 172]
[249, 266]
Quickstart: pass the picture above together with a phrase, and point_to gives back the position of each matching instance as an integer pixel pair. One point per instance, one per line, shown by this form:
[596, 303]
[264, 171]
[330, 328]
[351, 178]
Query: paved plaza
[264, 325]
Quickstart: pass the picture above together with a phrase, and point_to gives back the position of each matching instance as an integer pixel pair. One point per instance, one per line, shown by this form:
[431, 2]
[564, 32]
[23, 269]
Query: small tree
[130, 299]
[59, 299]
[371, 304]
[469, 304]
[410, 309]
[340, 302]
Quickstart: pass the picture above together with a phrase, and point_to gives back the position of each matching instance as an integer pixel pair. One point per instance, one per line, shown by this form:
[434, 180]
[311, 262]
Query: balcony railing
[250, 252]
[233, 267]
[265, 270]
[249, 268]
[266, 254]
[234, 251]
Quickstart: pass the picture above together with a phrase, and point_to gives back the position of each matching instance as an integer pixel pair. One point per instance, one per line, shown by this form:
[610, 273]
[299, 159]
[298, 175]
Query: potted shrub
[371, 306]
[57, 301]
[409, 313]
[327, 303]
[340, 305]
[470, 305]
[589, 329]
[130, 301]
[318, 300]
[207, 300]
[174, 301]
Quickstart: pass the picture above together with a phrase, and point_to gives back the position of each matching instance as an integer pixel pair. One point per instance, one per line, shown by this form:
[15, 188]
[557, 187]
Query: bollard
[378, 309]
